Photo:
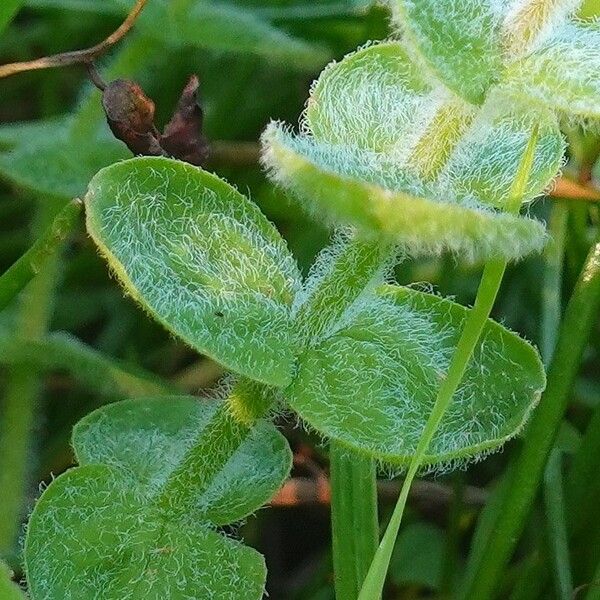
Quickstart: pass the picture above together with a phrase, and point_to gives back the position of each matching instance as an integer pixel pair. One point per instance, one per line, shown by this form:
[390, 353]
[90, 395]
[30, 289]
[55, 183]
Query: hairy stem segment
[44, 248]
[476, 320]
[526, 471]
[229, 427]
[18, 409]
[354, 522]
[359, 264]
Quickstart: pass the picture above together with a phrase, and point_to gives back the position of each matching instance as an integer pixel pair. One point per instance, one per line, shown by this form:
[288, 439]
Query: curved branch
[77, 57]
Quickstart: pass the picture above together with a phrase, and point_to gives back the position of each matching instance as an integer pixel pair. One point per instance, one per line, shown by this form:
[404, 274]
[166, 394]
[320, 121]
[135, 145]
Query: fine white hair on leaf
[372, 382]
[529, 23]
[202, 259]
[342, 184]
[563, 73]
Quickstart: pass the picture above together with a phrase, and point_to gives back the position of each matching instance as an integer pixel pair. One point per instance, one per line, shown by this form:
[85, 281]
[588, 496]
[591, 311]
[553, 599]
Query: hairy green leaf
[486, 158]
[563, 73]
[369, 192]
[371, 384]
[147, 439]
[202, 259]
[384, 152]
[458, 42]
[374, 99]
[92, 535]
[100, 530]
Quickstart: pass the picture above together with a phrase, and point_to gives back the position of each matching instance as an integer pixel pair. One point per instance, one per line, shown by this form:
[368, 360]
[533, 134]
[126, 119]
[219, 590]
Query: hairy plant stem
[526, 471]
[228, 429]
[21, 396]
[474, 325]
[354, 523]
[353, 476]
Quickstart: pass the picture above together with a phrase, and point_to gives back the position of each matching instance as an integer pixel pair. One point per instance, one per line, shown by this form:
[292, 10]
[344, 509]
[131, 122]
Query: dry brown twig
[78, 57]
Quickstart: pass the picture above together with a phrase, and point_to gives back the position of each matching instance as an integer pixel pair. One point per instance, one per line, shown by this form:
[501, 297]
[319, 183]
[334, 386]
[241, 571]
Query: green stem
[556, 524]
[593, 591]
[526, 472]
[354, 523]
[60, 351]
[22, 391]
[44, 248]
[353, 269]
[476, 320]
[583, 485]
[552, 279]
[553, 480]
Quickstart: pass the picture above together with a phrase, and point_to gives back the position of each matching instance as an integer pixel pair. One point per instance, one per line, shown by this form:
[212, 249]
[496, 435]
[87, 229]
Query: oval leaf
[201, 258]
[148, 438]
[395, 351]
[373, 99]
[458, 41]
[92, 536]
[563, 73]
[487, 157]
[358, 189]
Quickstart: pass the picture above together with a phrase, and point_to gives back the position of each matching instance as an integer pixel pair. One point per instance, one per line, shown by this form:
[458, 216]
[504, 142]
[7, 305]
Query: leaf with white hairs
[485, 160]
[563, 73]
[358, 189]
[98, 531]
[202, 259]
[458, 42]
[372, 383]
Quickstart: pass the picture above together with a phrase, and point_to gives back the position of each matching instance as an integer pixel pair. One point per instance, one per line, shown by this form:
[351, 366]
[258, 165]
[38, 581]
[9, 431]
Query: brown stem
[77, 57]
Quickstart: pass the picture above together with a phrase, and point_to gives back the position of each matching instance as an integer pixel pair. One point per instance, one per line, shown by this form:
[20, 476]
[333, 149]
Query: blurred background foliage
[73, 342]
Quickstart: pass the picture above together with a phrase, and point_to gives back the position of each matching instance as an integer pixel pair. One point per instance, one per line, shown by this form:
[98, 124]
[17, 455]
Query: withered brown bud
[182, 136]
[130, 116]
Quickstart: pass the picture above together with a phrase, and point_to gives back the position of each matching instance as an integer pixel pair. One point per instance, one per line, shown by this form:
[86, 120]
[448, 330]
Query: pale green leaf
[368, 190]
[202, 259]
[563, 73]
[147, 439]
[92, 535]
[8, 589]
[458, 42]
[487, 157]
[372, 384]
[374, 99]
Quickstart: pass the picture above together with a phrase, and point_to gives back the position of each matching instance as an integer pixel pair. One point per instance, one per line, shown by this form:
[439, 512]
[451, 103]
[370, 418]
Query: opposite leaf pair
[407, 162]
[359, 362]
[101, 530]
